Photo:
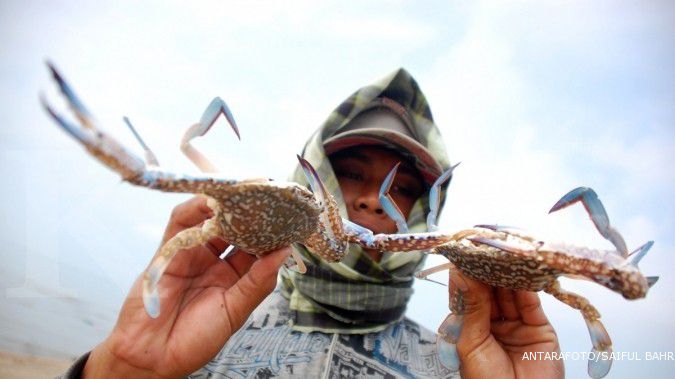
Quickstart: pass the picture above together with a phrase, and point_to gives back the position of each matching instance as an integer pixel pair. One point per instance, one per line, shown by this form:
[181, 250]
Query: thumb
[473, 299]
[254, 286]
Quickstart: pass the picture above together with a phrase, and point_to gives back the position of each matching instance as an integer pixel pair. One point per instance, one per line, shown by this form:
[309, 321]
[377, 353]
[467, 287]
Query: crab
[508, 258]
[255, 215]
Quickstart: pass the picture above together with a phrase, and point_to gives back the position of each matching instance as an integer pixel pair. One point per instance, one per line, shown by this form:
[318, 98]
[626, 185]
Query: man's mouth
[375, 227]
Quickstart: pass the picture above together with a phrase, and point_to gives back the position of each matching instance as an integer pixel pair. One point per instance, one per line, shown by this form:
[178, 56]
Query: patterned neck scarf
[359, 295]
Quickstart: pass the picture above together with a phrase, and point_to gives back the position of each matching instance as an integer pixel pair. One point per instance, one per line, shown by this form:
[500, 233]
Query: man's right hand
[204, 301]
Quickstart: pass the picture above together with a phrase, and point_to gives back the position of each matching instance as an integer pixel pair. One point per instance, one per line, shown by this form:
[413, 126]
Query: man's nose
[370, 201]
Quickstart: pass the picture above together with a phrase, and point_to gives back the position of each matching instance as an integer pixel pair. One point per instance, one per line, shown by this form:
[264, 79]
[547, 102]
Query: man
[339, 319]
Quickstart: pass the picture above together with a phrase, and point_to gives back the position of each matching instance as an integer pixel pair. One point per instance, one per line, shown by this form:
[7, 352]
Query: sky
[534, 98]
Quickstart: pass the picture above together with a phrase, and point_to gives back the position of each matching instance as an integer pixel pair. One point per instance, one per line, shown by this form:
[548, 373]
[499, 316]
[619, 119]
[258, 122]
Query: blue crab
[256, 215]
[508, 258]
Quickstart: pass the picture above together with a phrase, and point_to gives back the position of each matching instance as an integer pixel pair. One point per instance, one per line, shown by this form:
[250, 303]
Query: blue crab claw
[102, 146]
[600, 360]
[597, 212]
[388, 203]
[320, 191]
[81, 112]
[446, 341]
[640, 252]
[75, 131]
[435, 198]
[210, 115]
[651, 280]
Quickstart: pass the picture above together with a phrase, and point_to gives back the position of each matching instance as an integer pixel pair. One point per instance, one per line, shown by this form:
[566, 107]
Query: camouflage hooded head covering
[359, 295]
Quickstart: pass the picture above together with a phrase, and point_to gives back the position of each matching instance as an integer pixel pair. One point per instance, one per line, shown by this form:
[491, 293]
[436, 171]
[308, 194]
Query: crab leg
[209, 117]
[150, 158]
[424, 273]
[106, 149]
[394, 242]
[188, 238]
[432, 222]
[601, 361]
[596, 210]
[114, 155]
[331, 238]
[640, 252]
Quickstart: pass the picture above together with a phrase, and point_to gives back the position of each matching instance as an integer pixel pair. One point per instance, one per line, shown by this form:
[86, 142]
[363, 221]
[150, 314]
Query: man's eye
[407, 191]
[349, 175]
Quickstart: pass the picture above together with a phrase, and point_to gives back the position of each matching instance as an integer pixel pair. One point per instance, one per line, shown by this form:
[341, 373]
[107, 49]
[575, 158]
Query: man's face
[361, 171]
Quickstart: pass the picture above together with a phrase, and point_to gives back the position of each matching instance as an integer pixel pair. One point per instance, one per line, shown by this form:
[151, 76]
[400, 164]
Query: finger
[187, 215]
[241, 261]
[529, 307]
[254, 286]
[507, 304]
[477, 298]
[217, 246]
[495, 313]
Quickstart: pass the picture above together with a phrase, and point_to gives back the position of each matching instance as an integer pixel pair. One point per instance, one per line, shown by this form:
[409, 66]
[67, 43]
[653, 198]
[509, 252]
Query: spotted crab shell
[264, 216]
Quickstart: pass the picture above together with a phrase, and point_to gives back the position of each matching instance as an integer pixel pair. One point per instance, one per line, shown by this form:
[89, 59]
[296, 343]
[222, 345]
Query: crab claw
[597, 212]
[600, 360]
[81, 112]
[103, 147]
[435, 198]
[446, 341]
[388, 203]
[75, 131]
[320, 191]
[640, 252]
[651, 280]
[209, 117]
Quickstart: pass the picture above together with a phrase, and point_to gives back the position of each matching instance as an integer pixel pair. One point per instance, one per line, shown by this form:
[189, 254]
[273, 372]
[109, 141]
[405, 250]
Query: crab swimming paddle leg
[185, 239]
[451, 327]
[600, 360]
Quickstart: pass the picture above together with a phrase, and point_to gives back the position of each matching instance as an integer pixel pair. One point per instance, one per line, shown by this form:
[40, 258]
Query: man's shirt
[267, 347]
